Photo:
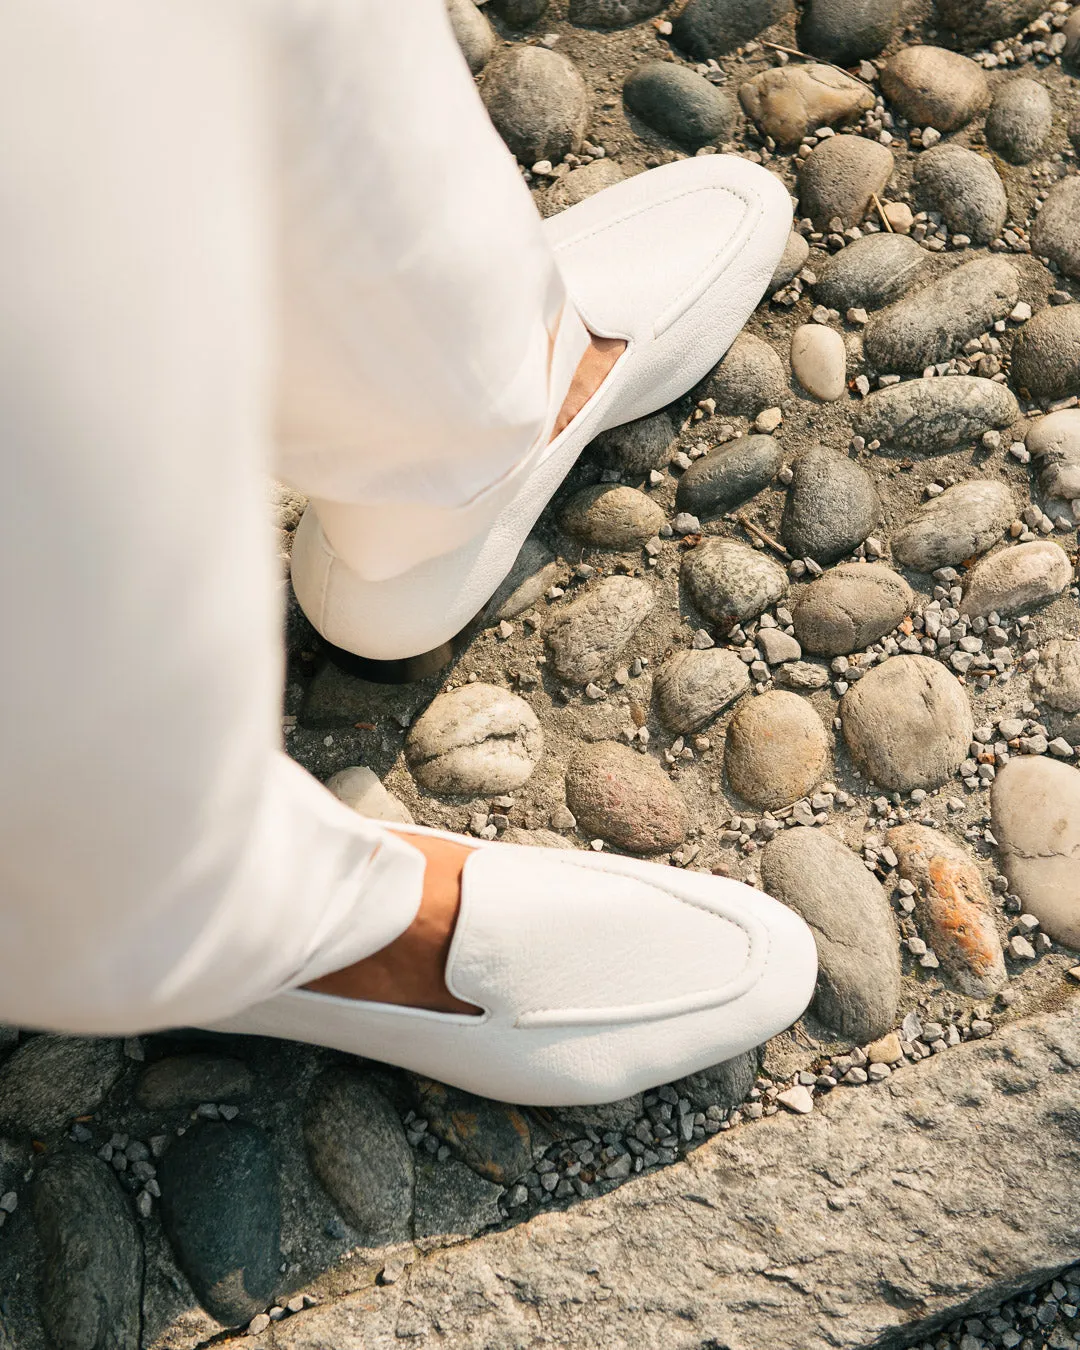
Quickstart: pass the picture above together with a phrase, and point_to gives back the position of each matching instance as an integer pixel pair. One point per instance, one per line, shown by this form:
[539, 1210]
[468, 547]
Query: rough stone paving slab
[868, 1223]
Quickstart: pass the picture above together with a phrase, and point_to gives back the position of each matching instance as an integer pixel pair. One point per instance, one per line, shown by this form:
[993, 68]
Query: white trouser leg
[420, 298]
[160, 861]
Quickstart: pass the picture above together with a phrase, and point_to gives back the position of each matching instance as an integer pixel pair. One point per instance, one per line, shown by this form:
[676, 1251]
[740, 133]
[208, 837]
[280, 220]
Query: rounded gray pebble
[1056, 679]
[1020, 120]
[679, 103]
[871, 272]
[714, 27]
[693, 686]
[187, 1080]
[729, 475]
[731, 582]
[749, 378]
[832, 506]
[636, 447]
[50, 1079]
[934, 87]
[1046, 354]
[907, 723]
[966, 189]
[474, 33]
[1056, 232]
[964, 521]
[985, 21]
[538, 102]
[847, 31]
[473, 739]
[930, 415]
[1054, 442]
[577, 186]
[850, 607]
[777, 750]
[792, 261]
[612, 13]
[612, 516]
[1013, 579]
[839, 177]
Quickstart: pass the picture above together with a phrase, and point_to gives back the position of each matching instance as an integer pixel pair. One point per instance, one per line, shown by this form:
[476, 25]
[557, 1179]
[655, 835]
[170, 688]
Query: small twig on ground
[881, 212]
[774, 544]
[794, 51]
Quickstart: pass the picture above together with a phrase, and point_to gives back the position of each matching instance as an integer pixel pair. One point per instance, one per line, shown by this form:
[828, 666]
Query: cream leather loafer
[673, 262]
[598, 976]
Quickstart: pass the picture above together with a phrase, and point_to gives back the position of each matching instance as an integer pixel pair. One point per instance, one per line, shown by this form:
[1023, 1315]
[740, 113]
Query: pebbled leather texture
[696, 969]
[674, 261]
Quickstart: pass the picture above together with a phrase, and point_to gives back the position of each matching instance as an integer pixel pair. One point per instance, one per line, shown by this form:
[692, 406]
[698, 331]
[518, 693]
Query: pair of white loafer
[597, 975]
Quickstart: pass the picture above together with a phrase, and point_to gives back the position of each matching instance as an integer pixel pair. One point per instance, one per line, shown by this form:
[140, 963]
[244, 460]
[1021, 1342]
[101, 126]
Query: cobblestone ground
[818, 620]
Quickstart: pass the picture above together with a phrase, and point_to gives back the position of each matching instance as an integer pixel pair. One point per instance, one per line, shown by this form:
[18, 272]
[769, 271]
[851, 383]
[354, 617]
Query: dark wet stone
[870, 272]
[965, 520]
[847, 31]
[636, 447]
[714, 27]
[538, 102]
[612, 13]
[933, 324]
[777, 750]
[725, 1085]
[731, 582]
[608, 515]
[729, 475]
[850, 607]
[907, 723]
[493, 1139]
[832, 506]
[91, 1288]
[749, 378]
[221, 1211]
[50, 1079]
[976, 24]
[839, 177]
[693, 686]
[933, 87]
[357, 1148]
[187, 1080]
[679, 103]
[1020, 120]
[518, 13]
[966, 189]
[858, 986]
[474, 34]
[1056, 232]
[1046, 354]
[452, 1201]
[930, 415]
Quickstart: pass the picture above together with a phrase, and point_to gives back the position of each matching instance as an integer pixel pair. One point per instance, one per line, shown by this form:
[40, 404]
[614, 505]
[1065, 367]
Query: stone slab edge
[949, 1187]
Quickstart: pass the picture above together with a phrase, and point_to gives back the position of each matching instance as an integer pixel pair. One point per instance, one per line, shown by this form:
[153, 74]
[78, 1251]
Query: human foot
[411, 970]
[592, 370]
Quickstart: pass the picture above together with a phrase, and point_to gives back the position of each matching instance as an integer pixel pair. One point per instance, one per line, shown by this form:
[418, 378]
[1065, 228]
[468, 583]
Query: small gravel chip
[911, 1028]
[143, 1204]
[516, 1197]
[797, 1099]
[877, 1073]
[258, 1324]
[768, 420]
[619, 1169]
[854, 1077]
[9, 1202]
[981, 1029]
[1061, 748]
[1021, 949]
[933, 1031]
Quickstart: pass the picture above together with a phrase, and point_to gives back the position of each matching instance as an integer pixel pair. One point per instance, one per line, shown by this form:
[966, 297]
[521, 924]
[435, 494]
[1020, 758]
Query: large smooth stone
[933, 324]
[850, 607]
[92, 1276]
[49, 1080]
[819, 360]
[518, 13]
[792, 261]
[933, 87]
[221, 1211]
[538, 102]
[750, 377]
[475, 35]
[731, 582]
[978, 24]
[693, 686]
[357, 1148]
[586, 637]
[1054, 443]
[609, 515]
[931, 415]
[679, 103]
[1015, 578]
[729, 475]
[966, 189]
[725, 1085]
[714, 27]
[871, 272]
[473, 739]
[452, 1201]
[492, 1139]
[612, 13]
[858, 985]
[789, 102]
[635, 447]
[832, 506]
[1046, 354]
[1056, 679]
[1020, 120]
[1035, 809]
[1056, 232]
[777, 750]
[625, 798]
[964, 521]
[955, 914]
[360, 789]
[578, 185]
[847, 31]
[907, 723]
[839, 177]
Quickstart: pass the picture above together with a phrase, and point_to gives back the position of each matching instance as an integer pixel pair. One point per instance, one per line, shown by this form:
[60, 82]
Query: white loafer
[598, 976]
[672, 261]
